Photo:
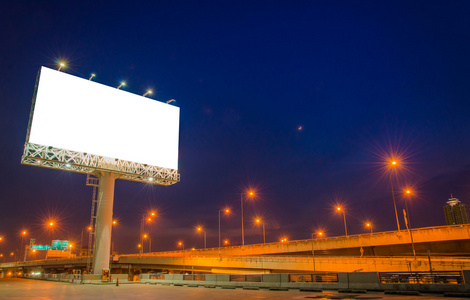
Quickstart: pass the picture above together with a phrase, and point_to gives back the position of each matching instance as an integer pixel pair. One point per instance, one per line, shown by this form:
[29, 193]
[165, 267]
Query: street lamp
[406, 215]
[259, 221]
[250, 194]
[227, 211]
[145, 236]
[181, 244]
[393, 166]
[115, 222]
[340, 209]
[61, 65]
[81, 241]
[149, 217]
[147, 92]
[369, 225]
[200, 229]
[123, 83]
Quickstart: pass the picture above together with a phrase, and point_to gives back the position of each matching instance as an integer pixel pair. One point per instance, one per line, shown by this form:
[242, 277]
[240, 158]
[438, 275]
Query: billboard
[83, 126]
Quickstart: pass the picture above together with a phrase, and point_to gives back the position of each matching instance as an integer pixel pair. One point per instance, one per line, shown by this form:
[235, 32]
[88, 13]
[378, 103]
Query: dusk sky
[301, 101]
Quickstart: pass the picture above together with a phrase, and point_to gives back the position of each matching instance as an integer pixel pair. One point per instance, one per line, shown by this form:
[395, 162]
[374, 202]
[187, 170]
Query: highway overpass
[449, 250]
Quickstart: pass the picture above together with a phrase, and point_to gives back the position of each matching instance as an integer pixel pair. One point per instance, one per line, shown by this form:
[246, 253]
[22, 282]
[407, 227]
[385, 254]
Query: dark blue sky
[362, 78]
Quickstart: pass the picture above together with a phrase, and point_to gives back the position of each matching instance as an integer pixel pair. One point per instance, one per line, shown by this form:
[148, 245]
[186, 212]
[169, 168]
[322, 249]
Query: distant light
[227, 210]
[171, 100]
[51, 223]
[122, 84]
[300, 128]
[150, 178]
[68, 165]
[92, 75]
[147, 92]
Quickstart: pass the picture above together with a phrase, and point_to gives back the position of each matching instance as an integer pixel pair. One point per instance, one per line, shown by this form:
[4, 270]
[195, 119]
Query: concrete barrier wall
[354, 281]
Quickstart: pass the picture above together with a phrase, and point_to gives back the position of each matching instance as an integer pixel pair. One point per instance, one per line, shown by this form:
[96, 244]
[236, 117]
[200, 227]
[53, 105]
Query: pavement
[15, 288]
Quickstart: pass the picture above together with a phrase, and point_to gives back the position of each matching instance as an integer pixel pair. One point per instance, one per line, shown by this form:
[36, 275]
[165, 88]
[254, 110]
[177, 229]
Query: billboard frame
[47, 156]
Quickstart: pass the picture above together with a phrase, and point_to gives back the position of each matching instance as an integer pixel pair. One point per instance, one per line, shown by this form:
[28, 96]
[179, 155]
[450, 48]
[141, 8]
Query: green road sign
[40, 247]
[60, 245]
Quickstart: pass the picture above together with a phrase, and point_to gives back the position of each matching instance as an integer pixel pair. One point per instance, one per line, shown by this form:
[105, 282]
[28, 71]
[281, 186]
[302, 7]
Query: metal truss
[67, 160]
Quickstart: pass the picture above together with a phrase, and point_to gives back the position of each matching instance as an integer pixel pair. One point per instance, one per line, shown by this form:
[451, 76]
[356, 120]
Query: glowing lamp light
[147, 93]
[61, 64]
[68, 165]
[150, 178]
[51, 223]
[121, 85]
[91, 76]
[227, 210]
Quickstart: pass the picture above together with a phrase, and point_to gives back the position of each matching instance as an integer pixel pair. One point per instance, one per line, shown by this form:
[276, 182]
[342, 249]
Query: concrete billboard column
[104, 221]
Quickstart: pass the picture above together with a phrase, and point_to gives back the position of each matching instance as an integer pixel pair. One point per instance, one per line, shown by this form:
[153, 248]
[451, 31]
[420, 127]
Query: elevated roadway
[449, 249]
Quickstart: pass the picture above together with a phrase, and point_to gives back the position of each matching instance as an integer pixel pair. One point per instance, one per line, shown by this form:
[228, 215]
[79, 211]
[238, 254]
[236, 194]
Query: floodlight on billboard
[82, 126]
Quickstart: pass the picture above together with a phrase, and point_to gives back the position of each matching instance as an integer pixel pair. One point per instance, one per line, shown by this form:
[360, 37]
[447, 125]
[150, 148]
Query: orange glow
[338, 208]
[152, 214]
[149, 219]
[227, 210]
[51, 223]
[139, 245]
[320, 233]
[368, 224]
[180, 243]
[193, 249]
[258, 220]
[89, 227]
[24, 232]
[226, 242]
[145, 236]
[1, 238]
[283, 240]
[114, 222]
[34, 250]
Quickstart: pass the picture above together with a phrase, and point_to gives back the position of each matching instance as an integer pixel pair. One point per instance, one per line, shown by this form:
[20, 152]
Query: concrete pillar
[104, 222]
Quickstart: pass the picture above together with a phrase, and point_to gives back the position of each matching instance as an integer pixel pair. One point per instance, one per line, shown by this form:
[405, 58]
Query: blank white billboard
[80, 115]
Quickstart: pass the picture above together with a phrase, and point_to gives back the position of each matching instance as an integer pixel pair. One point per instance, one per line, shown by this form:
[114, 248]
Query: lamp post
[227, 211]
[407, 220]
[200, 229]
[259, 221]
[81, 240]
[115, 222]
[145, 218]
[341, 210]
[393, 165]
[147, 236]
[369, 225]
[251, 194]
[181, 244]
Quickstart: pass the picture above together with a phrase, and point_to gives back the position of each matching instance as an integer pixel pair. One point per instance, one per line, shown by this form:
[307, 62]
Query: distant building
[455, 212]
